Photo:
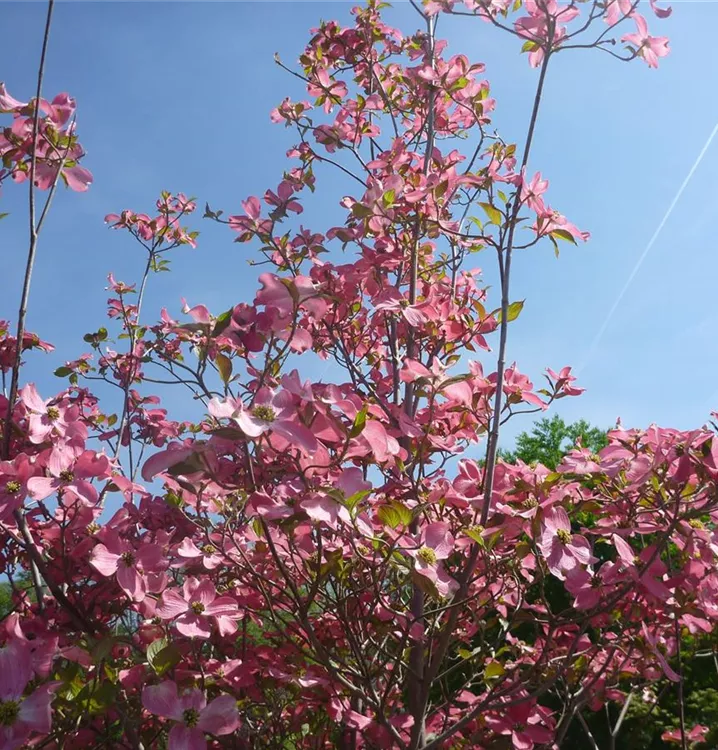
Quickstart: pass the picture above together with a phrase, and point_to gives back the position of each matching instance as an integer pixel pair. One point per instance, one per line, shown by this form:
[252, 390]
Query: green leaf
[224, 365]
[95, 338]
[475, 533]
[353, 500]
[103, 649]
[562, 234]
[359, 422]
[395, 514]
[222, 322]
[493, 213]
[162, 656]
[513, 311]
[4, 214]
[493, 670]
[62, 372]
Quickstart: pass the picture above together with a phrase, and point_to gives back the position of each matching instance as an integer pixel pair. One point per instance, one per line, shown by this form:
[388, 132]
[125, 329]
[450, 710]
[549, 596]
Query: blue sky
[177, 96]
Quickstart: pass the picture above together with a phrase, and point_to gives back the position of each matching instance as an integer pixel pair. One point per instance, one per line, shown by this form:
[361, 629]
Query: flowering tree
[315, 564]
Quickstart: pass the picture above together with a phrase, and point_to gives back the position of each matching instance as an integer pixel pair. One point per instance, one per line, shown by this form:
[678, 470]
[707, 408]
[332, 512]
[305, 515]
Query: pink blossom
[525, 723]
[67, 474]
[14, 476]
[696, 734]
[649, 577]
[531, 192]
[650, 48]
[563, 550]
[393, 301]
[188, 550]
[132, 566]
[435, 545]
[193, 716]
[194, 610]
[652, 641]
[585, 587]
[8, 103]
[20, 716]
[271, 412]
[46, 417]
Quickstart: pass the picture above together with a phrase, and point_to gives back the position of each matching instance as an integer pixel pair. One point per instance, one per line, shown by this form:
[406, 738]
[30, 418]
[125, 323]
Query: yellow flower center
[197, 607]
[265, 413]
[9, 711]
[563, 536]
[191, 717]
[427, 555]
[53, 413]
[12, 487]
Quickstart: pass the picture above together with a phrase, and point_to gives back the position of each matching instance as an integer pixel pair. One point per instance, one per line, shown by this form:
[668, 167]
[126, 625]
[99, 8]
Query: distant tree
[550, 440]
[22, 581]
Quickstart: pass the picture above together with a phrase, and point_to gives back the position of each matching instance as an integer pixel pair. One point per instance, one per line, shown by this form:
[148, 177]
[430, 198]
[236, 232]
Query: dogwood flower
[20, 716]
[271, 412]
[130, 564]
[650, 48]
[196, 607]
[563, 550]
[435, 544]
[193, 716]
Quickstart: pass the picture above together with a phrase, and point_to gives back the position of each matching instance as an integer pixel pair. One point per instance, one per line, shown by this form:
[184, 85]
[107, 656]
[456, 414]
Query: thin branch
[32, 249]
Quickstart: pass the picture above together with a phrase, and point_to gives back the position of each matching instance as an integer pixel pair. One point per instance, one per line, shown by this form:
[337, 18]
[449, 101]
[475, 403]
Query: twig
[34, 232]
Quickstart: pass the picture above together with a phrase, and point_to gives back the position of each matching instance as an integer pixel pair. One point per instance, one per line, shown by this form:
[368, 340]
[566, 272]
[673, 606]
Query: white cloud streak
[637, 267]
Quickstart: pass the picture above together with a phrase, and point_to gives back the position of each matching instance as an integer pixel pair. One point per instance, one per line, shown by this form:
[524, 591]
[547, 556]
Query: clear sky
[177, 96]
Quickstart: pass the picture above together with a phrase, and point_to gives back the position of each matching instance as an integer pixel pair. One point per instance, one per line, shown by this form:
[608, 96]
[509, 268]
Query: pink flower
[650, 48]
[660, 12]
[45, 416]
[393, 301]
[563, 550]
[328, 91]
[19, 717]
[648, 578]
[525, 724]
[697, 734]
[70, 475]
[8, 103]
[196, 607]
[617, 10]
[188, 550]
[14, 476]
[652, 643]
[118, 557]
[561, 382]
[531, 192]
[270, 412]
[548, 221]
[436, 544]
[193, 716]
[585, 587]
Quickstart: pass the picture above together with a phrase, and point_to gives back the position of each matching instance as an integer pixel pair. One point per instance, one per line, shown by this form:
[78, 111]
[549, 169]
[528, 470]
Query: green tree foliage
[21, 582]
[550, 440]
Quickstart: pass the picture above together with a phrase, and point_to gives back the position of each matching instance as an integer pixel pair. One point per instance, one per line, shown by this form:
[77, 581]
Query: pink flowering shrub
[330, 564]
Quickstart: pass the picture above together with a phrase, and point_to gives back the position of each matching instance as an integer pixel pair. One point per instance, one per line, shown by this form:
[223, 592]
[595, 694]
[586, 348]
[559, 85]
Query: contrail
[647, 249]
